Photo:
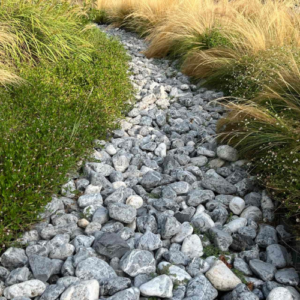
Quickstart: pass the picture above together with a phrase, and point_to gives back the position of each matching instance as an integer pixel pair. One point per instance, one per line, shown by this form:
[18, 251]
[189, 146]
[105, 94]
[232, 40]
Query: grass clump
[73, 90]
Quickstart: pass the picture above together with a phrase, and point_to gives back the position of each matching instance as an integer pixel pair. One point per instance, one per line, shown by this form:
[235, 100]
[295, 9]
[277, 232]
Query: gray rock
[92, 227]
[241, 243]
[119, 196]
[146, 222]
[141, 279]
[52, 292]
[203, 222]
[149, 241]
[97, 179]
[169, 164]
[14, 258]
[180, 187]
[62, 252]
[177, 274]
[263, 270]
[247, 231]
[287, 276]
[185, 230]
[221, 239]
[82, 254]
[82, 241]
[68, 268]
[242, 266]
[94, 268]
[250, 254]
[151, 180]
[197, 267]
[122, 212]
[41, 267]
[67, 281]
[165, 204]
[112, 226]
[136, 262]
[81, 184]
[267, 207]
[252, 213]
[253, 199]
[101, 168]
[129, 294]
[121, 160]
[17, 276]
[227, 153]
[185, 215]
[197, 197]
[89, 199]
[37, 249]
[3, 273]
[266, 236]
[277, 255]
[282, 232]
[114, 285]
[219, 214]
[244, 186]
[176, 257]
[52, 207]
[218, 185]
[169, 227]
[51, 231]
[179, 292]
[199, 161]
[201, 288]
[268, 286]
[100, 215]
[110, 245]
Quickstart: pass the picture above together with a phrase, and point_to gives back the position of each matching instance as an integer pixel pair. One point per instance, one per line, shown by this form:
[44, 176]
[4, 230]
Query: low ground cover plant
[250, 50]
[67, 96]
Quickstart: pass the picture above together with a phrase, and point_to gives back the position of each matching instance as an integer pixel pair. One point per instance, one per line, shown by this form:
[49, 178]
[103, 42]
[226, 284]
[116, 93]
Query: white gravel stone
[237, 205]
[31, 288]
[185, 230]
[135, 201]
[221, 277]
[87, 290]
[280, 293]
[160, 286]
[234, 225]
[92, 189]
[192, 246]
[161, 150]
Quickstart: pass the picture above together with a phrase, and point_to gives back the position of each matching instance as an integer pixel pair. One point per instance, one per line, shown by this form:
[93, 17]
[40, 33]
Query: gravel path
[164, 198]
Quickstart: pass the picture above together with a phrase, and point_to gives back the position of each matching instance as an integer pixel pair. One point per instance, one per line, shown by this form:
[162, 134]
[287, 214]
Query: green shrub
[49, 124]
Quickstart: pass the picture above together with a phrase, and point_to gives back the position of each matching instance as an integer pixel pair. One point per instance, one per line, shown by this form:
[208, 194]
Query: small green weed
[240, 275]
[212, 250]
